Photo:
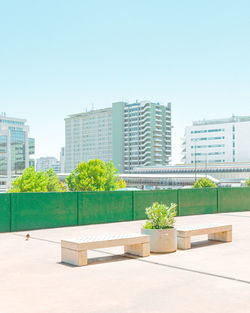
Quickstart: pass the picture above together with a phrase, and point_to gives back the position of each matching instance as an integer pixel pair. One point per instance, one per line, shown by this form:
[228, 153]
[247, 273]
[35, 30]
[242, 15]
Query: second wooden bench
[219, 232]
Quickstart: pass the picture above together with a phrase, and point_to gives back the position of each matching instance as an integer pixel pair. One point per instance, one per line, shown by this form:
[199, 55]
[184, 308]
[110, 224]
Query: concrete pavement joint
[178, 267]
[153, 262]
[41, 239]
[237, 215]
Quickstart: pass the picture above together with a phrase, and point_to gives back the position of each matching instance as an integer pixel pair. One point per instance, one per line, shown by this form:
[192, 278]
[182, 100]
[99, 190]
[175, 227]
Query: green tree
[94, 175]
[32, 181]
[54, 183]
[248, 182]
[204, 183]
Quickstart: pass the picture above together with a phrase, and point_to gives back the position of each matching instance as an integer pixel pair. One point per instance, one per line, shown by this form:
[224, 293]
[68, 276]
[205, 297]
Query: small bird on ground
[27, 237]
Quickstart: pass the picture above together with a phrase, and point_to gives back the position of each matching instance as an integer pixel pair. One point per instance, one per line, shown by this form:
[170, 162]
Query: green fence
[105, 207]
[233, 199]
[43, 210]
[5, 216]
[197, 201]
[144, 199]
[26, 211]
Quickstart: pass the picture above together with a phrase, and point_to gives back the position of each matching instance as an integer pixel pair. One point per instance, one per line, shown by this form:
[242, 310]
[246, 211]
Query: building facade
[226, 173]
[62, 160]
[132, 135]
[88, 136]
[16, 149]
[141, 135]
[45, 163]
[217, 141]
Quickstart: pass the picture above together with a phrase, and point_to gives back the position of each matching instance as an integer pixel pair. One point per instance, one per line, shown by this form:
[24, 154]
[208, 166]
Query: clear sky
[61, 57]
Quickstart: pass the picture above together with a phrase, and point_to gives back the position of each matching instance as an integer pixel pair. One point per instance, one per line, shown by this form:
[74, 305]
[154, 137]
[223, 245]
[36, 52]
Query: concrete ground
[211, 277]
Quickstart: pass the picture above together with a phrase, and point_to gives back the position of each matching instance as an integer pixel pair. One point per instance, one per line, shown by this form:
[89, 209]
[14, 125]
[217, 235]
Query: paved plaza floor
[211, 277]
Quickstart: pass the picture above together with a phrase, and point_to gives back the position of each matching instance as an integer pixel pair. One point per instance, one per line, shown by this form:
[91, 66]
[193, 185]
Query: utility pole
[195, 160]
[206, 165]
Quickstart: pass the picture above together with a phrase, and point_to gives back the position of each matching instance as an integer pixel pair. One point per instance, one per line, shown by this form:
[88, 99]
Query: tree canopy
[248, 182]
[95, 175]
[32, 181]
[204, 183]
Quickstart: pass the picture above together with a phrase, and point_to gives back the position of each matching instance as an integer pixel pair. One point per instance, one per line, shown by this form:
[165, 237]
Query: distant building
[62, 160]
[217, 141]
[228, 174]
[141, 134]
[88, 136]
[45, 163]
[132, 135]
[16, 148]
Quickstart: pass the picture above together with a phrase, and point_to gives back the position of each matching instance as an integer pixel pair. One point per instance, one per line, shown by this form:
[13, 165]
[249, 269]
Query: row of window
[208, 146]
[209, 161]
[208, 138]
[11, 122]
[207, 131]
[210, 153]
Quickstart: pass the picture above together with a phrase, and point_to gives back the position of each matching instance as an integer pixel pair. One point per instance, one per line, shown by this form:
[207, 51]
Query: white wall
[242, 143]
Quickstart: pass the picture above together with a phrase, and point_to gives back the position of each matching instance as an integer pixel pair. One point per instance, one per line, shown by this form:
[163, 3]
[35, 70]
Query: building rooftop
[88, 113]
[3, 118]
[210, 277]
[233, 119]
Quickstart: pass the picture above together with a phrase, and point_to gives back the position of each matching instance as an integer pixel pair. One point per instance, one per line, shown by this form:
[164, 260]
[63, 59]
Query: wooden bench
[219, 232]
[74, 251]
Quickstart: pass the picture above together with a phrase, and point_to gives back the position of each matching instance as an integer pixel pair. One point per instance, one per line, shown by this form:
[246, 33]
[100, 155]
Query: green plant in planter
[160, 216]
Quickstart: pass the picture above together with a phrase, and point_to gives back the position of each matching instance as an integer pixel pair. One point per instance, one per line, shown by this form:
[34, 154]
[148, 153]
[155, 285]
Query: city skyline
[176, 149]
[59, 61]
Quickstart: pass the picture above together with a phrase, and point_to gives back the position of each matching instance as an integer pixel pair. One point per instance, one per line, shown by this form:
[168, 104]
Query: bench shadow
[205, 243]
[110, 258]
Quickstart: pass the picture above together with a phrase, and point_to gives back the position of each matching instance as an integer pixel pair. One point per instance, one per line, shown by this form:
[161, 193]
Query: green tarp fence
[27, 211]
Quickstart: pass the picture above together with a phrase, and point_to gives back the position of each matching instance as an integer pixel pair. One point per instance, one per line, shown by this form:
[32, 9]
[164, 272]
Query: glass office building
[16, 148]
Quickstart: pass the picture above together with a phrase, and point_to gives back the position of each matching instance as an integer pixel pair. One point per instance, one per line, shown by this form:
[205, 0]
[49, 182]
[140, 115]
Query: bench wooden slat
[95, 242]
[196, 230]
[74, 251]
[214, 231]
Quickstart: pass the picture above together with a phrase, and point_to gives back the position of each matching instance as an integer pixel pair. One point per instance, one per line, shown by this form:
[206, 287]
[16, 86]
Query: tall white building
[217, 141]
[45, 163]
[132, 135]
[15, 149]
[141, 134]
[88, 136]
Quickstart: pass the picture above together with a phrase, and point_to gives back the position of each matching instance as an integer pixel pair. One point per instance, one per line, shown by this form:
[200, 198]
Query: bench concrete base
[74, 257]
[216, 232]
[142, 249]
[74, 251]
[183, 243]
[223, 236]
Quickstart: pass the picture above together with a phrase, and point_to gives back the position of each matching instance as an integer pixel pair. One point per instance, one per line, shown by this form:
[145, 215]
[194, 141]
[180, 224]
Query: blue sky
[61, 57]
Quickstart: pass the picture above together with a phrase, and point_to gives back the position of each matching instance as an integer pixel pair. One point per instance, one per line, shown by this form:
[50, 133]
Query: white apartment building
[141, 134]
[217, 141]
[45, 163]
[88, 136]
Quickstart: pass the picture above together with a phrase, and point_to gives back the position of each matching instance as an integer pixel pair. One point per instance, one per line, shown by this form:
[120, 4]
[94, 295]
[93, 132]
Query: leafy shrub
[204, 183]
[94, 175]
[32, 181]
[160, 216]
